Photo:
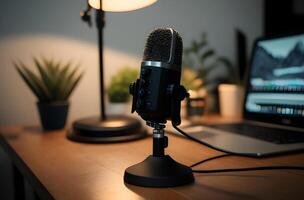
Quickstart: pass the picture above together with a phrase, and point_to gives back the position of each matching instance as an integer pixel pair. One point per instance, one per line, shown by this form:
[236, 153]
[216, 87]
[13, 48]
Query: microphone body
[154, 102]
[157, 93]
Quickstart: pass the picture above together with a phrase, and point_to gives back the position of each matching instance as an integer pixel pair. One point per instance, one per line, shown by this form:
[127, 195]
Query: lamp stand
[103, 129]
[100, 23]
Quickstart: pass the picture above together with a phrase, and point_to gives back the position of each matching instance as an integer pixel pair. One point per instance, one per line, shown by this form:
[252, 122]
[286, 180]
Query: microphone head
[164, 45]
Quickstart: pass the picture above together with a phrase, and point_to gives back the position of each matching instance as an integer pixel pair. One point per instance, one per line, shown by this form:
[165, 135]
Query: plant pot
[119, 108]
[231, 100]
[53, 115]
[212, 103]
[195, 107]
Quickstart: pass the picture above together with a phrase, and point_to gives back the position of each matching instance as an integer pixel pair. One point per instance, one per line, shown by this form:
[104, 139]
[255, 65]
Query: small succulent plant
[190, 79]
[54, 81]
[118, 89]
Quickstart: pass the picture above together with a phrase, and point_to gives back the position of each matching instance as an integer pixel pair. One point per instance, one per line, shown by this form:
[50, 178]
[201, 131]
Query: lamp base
[113, 129]
[158, 171]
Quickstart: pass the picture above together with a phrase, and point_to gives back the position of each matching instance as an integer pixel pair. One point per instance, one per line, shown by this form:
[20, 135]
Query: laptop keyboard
[274, 135]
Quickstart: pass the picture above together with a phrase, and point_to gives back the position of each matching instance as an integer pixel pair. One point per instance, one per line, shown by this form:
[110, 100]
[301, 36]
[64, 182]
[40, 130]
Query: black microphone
[157, 93]
[157, 96]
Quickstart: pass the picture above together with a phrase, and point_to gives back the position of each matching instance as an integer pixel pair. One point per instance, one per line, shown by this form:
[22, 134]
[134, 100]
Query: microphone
[157, 93]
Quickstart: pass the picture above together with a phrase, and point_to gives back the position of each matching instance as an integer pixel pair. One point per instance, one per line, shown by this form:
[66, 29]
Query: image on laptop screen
[276, 82]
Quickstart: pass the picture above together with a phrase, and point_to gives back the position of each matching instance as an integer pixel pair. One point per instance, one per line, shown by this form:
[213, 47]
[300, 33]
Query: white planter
[118, 108]
[231, 100]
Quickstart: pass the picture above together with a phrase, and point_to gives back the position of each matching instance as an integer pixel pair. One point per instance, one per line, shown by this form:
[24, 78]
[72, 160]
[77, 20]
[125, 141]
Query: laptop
[273, 110]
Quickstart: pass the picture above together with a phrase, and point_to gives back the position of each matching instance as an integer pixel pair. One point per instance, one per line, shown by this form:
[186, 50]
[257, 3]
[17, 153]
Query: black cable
[250, 169]
[211, 146]
[229, 154]
[209, 159]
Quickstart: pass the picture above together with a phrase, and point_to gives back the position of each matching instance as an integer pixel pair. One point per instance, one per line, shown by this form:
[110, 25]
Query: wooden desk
[61, 169]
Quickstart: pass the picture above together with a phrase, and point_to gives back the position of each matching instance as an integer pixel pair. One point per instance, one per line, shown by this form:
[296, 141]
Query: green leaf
[56, 68]
[194, 47]
[66, 83]
[72, 86]
[48, 65]
[203, 41]
[207, 54]
[61, 80]
[232, 73]
[45, 76]
[29, 82]
[51, 67]
[37, 81]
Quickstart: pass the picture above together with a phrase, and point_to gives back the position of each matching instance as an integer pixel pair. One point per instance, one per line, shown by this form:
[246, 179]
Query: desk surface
[62, 169]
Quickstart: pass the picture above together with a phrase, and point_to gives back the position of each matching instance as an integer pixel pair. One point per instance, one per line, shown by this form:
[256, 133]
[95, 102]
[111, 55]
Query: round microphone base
[160, 171]
[113, 129]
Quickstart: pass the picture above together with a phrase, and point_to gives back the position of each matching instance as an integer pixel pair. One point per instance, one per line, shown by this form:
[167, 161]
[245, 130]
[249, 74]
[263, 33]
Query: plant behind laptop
[212, 69]
[201, 57]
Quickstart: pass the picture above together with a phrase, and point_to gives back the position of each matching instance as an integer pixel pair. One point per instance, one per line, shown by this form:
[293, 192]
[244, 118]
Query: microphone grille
[158, 46]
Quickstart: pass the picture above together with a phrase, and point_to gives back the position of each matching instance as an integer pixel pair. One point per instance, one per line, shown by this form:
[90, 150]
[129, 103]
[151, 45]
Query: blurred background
[54, 29]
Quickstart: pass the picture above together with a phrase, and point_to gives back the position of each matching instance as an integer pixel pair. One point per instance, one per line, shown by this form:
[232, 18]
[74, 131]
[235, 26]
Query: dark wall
[286, 16]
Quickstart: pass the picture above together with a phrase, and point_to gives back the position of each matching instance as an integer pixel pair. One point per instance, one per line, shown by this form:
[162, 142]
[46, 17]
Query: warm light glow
[121, 5]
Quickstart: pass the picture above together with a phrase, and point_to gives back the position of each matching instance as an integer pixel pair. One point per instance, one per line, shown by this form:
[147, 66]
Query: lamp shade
[120, 5]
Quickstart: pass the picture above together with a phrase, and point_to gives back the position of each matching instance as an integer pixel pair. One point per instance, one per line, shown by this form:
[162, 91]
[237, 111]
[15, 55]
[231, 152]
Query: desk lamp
[105, 128]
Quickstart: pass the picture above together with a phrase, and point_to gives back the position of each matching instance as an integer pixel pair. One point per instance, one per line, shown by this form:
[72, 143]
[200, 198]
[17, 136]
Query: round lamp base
[158, 171]
[113, 129]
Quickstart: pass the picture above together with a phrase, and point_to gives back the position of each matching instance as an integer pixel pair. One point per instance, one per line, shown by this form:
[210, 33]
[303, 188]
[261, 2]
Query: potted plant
[52, 85]
[194, 106]
[212, 69]
[118, 90]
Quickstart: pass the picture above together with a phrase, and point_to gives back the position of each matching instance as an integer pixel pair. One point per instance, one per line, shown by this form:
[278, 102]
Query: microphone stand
[158, 169]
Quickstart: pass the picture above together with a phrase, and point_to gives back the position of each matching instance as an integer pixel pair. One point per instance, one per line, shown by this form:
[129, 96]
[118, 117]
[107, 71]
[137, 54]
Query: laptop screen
[276, 78]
